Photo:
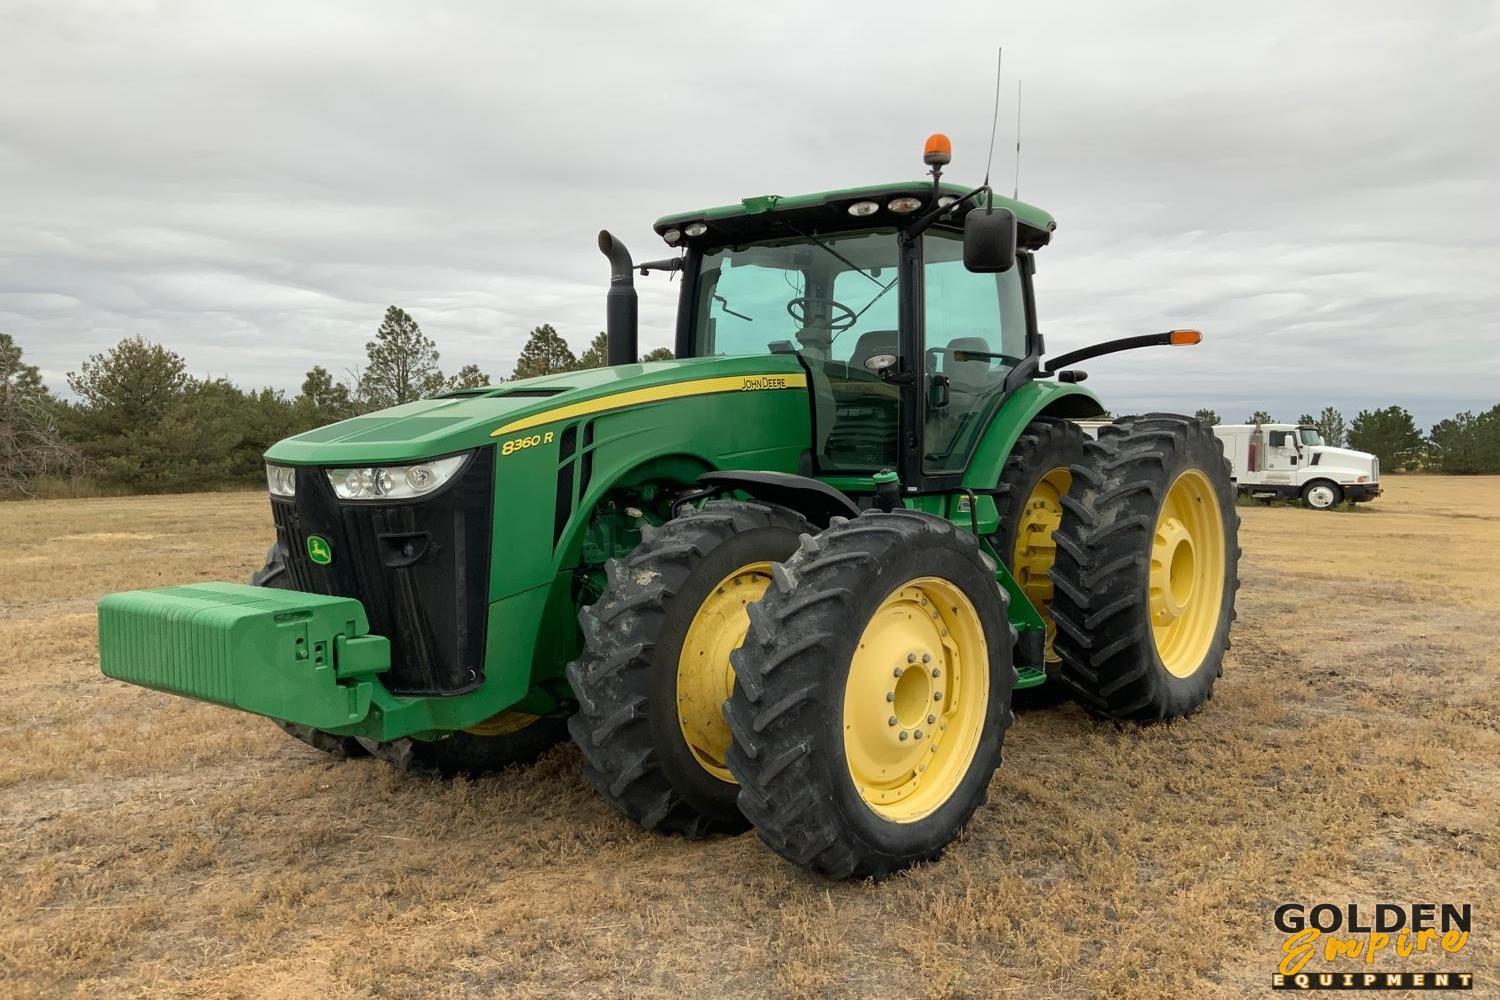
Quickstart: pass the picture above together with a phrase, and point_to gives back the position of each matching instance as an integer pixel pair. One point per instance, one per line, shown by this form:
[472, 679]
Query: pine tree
[1390, 434]
[402, 363]
[1260, 417]
[468, 377]
[1467, 444]
[597, 355]
[1330, 424]
[1208, 417]
[545, 353]
[323, 400]
[131, 385]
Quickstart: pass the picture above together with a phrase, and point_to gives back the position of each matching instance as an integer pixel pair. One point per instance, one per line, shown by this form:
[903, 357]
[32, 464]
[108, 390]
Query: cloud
[252, 185]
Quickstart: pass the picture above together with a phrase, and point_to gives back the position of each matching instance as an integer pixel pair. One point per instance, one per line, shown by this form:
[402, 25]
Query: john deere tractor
[788, 580]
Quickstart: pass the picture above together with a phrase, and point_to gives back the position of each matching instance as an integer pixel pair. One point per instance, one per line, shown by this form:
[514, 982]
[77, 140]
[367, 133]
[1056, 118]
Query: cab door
[1281, 460]
[974, 333]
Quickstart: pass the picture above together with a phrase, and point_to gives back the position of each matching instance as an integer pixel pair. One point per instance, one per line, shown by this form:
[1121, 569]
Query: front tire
[509, 739]
[872, 695]
[1147, 569]
[655, 667]
[1320, 494]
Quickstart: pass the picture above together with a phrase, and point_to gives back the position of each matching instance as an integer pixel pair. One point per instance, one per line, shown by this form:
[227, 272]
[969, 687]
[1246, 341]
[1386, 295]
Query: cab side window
[965, 312]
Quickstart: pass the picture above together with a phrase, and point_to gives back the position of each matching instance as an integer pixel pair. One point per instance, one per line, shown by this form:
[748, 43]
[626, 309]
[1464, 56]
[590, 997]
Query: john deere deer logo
[318, 550]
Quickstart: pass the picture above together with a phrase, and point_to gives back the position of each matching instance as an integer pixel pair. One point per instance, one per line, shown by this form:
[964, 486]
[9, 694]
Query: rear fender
[1031, 400]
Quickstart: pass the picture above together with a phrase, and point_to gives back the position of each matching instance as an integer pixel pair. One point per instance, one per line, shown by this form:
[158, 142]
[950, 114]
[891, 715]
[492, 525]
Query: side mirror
[989, 240]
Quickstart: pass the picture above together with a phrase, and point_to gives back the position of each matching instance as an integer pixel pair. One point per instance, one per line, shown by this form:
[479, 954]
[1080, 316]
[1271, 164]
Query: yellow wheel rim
[1031, 559]
[503, 724]
[916, 699]
[1187, 574]
[705, 679]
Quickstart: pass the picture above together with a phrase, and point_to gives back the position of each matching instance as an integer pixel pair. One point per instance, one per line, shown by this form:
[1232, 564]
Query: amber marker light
[938, 151]
[1180, 338]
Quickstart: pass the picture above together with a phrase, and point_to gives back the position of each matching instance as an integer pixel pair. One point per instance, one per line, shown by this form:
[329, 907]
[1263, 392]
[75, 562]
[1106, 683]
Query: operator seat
[968, 383]
[871, 343]
[973, 377]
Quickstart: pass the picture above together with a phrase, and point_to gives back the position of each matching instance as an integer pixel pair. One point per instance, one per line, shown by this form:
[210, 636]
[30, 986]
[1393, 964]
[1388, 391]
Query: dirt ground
[162, 847]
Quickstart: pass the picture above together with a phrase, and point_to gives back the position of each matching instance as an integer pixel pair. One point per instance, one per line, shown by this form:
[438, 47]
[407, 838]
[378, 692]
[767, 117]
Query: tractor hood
[429, 428]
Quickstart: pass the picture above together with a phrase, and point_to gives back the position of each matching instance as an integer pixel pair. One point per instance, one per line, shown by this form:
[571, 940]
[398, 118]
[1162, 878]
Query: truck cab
[1286, 461]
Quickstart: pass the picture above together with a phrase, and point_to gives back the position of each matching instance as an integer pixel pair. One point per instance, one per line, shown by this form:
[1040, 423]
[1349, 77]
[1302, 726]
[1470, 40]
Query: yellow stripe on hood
[656, 394]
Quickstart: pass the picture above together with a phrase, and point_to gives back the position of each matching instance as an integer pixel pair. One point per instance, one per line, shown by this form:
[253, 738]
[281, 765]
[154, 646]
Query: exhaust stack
[620, 305]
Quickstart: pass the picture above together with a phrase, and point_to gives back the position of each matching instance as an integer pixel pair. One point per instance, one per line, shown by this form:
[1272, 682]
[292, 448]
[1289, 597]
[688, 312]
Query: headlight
[393, 482]
[282, 480]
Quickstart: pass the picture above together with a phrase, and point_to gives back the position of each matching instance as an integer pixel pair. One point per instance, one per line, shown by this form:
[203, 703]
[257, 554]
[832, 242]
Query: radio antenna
[1016, 192]
[995, 118]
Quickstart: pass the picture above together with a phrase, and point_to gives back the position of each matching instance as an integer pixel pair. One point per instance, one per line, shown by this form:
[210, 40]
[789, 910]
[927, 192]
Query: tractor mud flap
[298, 657]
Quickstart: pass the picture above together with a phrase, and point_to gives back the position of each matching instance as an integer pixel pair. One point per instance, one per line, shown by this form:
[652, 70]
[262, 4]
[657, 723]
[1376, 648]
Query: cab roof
[769, 216]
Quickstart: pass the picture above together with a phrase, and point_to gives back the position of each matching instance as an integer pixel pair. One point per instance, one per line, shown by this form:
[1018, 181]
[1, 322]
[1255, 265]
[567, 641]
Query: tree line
[141, 423]
[1464, 444]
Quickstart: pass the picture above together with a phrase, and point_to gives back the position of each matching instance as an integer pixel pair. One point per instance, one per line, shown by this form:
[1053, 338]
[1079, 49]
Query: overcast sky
[1315, 186]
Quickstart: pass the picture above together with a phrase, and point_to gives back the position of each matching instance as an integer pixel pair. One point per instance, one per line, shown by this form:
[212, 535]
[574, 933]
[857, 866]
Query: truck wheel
[1028, 499]
[1147, 569]
[1320, 494]
[872, 695]
[654, 672]
[273, 574]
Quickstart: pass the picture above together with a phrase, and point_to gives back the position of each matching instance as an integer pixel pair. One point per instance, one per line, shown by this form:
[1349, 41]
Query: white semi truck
[1290, 460]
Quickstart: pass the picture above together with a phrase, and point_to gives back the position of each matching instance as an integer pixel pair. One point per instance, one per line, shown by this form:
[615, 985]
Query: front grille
[421, 570]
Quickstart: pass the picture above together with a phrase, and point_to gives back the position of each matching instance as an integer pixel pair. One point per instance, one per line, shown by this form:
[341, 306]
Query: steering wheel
[842, 317]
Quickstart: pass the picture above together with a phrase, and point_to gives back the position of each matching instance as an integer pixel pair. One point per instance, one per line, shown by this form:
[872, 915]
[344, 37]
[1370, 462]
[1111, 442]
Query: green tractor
[789, 580]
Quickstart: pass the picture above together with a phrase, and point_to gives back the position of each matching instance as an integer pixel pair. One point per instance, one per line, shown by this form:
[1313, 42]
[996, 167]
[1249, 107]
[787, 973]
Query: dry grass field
[154, 846]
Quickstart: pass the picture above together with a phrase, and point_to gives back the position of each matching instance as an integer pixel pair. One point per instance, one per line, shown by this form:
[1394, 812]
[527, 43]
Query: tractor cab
[907, 350]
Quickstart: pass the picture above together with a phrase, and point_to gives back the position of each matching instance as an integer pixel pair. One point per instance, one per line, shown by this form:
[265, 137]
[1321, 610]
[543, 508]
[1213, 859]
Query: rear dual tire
[1147, 569]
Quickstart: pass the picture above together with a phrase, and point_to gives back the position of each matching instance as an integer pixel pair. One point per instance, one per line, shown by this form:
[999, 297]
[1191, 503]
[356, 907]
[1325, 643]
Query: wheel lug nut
[937, 672]
[899, 671]
[931, 719]
[903, 736]
[911, 657]
[917, 734]
[937, 696]
[890, 696]
[926, 657]
[892, 720]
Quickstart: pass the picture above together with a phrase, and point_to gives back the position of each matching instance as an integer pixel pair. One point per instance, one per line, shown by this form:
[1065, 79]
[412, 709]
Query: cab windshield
[795, 295]
[1308, 435]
